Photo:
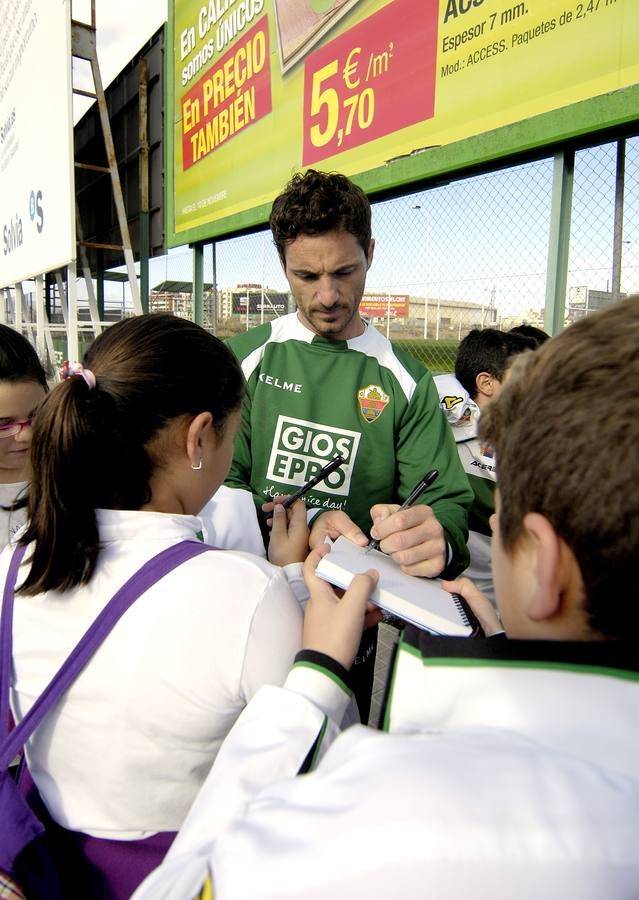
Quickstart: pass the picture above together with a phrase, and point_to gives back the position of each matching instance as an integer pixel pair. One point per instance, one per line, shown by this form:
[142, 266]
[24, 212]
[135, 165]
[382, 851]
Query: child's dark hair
[18, 359]
[487, 350]
[531, 331]
[94, 447]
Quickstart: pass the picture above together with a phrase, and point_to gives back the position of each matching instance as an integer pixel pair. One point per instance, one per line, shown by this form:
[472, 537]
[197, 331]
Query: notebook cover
[421, 601]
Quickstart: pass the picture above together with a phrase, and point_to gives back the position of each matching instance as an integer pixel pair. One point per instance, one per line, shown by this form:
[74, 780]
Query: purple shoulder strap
[138, 583]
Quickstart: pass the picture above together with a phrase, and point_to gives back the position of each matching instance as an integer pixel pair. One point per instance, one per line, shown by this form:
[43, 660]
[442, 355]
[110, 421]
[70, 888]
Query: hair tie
[68, 369]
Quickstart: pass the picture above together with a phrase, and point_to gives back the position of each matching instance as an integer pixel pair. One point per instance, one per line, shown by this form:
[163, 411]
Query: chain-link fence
[471, 253]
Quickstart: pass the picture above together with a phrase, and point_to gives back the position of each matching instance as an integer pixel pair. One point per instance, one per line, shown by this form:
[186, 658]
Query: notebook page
[421, 601]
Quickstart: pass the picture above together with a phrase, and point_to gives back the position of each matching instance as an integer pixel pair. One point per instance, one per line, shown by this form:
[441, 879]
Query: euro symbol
[350, 69]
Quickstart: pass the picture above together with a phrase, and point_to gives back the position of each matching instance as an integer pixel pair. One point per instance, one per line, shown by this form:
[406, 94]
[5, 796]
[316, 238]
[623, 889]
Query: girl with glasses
[23, 386]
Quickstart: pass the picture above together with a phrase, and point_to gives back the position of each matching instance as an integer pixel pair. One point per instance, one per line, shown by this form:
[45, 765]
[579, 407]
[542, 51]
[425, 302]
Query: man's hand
[413, 537]
[333, 625]
[289, 535]
[478, 602]
[333, 524]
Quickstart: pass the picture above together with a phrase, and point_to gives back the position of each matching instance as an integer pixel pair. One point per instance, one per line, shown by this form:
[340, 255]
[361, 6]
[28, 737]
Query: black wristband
[323, 661]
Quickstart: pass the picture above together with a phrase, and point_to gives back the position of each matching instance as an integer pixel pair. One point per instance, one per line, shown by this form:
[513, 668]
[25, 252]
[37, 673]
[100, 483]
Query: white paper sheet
[421, 601]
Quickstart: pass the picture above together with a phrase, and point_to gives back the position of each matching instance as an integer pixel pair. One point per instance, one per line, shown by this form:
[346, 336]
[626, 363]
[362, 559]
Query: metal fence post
[617, 246]
[559, 240]
[198, 284]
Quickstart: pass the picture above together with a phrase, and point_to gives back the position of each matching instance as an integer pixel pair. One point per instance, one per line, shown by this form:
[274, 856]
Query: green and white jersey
[476, 456]
[310, 397]
[478, 461]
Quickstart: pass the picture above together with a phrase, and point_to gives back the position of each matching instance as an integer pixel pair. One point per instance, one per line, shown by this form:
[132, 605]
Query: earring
[198, 467]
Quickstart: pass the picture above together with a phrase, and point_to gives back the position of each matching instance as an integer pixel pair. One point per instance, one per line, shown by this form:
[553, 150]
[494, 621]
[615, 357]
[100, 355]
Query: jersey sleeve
[229, 521]
[239, 475]
[241, 470]
[425, 442]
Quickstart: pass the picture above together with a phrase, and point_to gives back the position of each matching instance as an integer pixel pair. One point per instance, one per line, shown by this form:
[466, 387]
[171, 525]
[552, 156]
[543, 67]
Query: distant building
[532, 317]
[176, 297]
[449, 319]
[583, 300]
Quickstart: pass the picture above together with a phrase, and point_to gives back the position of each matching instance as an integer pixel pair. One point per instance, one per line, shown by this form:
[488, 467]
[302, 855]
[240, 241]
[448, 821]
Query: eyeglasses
[13, 428]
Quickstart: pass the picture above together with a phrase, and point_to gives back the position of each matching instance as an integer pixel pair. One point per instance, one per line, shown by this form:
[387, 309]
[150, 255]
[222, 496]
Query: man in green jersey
[322, 381]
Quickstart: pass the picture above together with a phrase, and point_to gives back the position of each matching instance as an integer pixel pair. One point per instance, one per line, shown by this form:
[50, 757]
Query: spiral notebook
[421, 601]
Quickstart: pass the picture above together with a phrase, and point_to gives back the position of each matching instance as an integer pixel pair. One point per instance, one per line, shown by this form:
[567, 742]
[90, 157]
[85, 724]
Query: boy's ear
[544, 600]
[199, 425]
[485, 384]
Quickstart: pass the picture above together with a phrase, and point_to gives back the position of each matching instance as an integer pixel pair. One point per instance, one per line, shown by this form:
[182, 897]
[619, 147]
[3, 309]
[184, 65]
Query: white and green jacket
[309, 397]
[510, 770]
[476, 457]
[478, 461]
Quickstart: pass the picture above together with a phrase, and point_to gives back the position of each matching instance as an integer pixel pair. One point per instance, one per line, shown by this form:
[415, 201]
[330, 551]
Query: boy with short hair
[538, 335]
[480, 369]
[511, 767]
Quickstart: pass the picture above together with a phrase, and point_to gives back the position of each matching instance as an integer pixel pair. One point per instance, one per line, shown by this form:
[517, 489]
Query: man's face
[327, 274]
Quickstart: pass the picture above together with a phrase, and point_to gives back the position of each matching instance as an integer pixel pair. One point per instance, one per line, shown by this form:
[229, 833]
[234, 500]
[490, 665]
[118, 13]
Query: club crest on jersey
[450, 401]
[372, 402]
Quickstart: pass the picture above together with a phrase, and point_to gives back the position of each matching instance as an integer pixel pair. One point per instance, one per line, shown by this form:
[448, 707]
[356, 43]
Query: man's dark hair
[487, 350]
[539, 336]
[316, 202]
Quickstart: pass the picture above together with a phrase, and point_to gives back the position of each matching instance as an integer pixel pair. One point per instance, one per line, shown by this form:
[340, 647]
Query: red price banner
[230, 96]
[373, 80]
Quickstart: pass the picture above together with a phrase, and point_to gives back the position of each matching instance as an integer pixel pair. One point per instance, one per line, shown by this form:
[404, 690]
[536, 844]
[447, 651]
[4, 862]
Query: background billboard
[259, 301]
[393, 305]
[37, 214]
[374, 89]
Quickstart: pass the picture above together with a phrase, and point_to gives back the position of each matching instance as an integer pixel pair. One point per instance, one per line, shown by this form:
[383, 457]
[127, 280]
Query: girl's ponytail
[92, 442]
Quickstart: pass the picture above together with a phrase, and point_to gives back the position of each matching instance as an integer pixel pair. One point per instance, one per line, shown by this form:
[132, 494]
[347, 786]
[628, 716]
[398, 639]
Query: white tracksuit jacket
[511, 771]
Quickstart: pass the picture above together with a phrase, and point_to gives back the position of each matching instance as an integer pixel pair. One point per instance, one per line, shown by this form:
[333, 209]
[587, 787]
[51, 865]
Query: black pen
[417, 491]
[334, 464]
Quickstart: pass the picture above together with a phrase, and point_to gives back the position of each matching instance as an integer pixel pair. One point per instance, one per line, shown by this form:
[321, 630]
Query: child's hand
[333, 625]
[289, 534]
[478, 602]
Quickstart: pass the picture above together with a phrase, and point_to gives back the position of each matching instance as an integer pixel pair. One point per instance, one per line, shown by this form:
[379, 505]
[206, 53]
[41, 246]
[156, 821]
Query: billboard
[373, 88]
[384, 305]
[37, 214]
[270, 302]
